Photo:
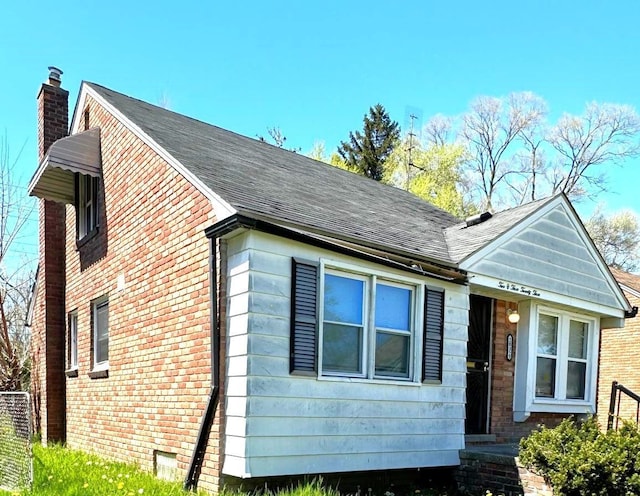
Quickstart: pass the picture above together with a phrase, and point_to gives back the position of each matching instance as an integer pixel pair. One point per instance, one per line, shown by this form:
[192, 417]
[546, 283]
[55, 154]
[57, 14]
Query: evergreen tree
[367, 152]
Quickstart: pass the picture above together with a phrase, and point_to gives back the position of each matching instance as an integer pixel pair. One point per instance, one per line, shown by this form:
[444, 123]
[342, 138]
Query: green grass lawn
[64, 472]
[60, 471]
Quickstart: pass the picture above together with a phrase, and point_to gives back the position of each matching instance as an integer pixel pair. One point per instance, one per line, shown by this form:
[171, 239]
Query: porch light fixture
[513, 316]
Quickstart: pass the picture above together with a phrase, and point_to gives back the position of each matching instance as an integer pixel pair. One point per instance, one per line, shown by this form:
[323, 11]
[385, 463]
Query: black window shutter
[433, 331]
[304, 316]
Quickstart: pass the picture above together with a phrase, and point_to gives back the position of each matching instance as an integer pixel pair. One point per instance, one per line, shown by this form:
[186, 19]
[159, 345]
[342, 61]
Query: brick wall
[619, 361]
[48, 330]
[480, 473]
[151, 237]
[502, 379]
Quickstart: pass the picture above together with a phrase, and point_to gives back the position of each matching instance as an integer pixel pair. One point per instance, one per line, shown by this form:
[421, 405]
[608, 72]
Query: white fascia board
[37, 174]
[542, 295]
[604, 268]
[631, 291]
[221, 208]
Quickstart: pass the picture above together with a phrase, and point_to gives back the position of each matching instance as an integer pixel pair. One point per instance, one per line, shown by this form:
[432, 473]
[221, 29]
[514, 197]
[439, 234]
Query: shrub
[577, 458]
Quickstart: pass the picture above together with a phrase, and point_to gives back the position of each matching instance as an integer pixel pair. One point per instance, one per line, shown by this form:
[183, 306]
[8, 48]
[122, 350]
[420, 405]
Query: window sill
[576, 407]
[562, 406]
[87, 237]
[362, 380]
[73, 372]
[99, 374]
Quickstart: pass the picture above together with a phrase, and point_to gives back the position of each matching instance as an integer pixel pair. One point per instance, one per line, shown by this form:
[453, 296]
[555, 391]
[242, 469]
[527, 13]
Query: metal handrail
[614, 404]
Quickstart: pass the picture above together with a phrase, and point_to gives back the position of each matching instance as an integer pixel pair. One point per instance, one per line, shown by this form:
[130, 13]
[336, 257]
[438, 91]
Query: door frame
[487, 400]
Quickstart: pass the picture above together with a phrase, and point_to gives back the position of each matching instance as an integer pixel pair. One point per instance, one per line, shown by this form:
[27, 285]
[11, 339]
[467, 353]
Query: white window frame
[72, 357]
[525, 398]
[95, 305]
[87, 209]
[372, 277]
[562, 353]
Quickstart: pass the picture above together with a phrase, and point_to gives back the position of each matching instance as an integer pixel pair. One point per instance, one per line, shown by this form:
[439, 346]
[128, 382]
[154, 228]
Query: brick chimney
[50, 326]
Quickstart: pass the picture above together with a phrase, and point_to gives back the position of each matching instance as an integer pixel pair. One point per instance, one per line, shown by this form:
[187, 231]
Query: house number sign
[516, 288]
[509, 347]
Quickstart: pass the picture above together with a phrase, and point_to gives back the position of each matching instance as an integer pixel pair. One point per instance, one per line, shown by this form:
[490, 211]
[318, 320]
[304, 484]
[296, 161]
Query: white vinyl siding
[551, 257]
[278, 423]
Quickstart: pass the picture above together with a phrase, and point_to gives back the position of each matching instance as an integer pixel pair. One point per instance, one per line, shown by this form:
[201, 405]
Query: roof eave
[427, 268]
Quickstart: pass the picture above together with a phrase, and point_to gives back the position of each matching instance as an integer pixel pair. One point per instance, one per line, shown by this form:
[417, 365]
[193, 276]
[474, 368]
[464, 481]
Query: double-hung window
[360, 323]
[367, 327]
[562, 356]
[72, 342]
[101, 334]
[86, 204]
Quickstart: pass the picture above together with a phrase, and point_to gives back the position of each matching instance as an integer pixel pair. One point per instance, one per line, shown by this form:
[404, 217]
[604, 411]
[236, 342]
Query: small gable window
[348, 323]
[86, 205]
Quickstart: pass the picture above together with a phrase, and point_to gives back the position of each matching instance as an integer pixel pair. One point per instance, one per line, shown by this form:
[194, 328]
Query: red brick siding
[619, 361]
[159, 335]
[48, 329]
[502, 380]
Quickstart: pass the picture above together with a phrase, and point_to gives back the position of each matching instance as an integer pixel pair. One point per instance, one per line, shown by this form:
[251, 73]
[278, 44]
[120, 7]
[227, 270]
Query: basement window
[166, 465]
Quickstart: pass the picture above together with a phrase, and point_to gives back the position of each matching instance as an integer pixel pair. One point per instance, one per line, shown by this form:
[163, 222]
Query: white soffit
[54, 179]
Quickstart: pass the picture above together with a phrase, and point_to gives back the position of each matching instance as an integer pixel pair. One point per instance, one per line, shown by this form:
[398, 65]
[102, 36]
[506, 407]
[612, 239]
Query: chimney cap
[54, 75]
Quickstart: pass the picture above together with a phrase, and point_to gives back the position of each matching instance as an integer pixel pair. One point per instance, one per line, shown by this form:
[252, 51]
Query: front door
[478, 362]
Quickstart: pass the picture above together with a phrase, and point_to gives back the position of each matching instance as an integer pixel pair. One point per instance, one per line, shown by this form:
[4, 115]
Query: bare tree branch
[490, 129]
[605, 133]
[15, 208]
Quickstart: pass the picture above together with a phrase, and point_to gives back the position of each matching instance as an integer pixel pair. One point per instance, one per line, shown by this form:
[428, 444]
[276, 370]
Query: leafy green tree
[318, 153]
[430, 172]
[367, 151]
[617, 238]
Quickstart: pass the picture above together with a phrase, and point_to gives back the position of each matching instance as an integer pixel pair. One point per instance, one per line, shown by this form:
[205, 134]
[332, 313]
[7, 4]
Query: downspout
[197, 458]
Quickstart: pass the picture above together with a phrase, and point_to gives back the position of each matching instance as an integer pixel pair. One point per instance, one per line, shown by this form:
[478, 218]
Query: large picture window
[562, 358]
[368, 326]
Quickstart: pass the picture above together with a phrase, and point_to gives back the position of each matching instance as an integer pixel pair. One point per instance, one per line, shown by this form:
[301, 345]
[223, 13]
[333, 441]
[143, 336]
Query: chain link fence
[16, 462]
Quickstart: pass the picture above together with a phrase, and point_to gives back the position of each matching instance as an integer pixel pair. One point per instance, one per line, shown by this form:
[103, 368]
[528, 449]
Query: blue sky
[314, 68]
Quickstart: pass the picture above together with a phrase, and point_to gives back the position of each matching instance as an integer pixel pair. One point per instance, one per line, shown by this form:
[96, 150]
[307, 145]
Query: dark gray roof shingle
[258, 179]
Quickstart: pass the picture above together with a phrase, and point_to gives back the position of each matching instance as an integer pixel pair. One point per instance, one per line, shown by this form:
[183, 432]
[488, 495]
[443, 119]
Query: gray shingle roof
[464, 241]
[259, 179]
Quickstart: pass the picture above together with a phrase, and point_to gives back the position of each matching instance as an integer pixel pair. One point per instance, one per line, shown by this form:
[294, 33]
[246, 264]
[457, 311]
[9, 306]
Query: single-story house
[223, 309]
